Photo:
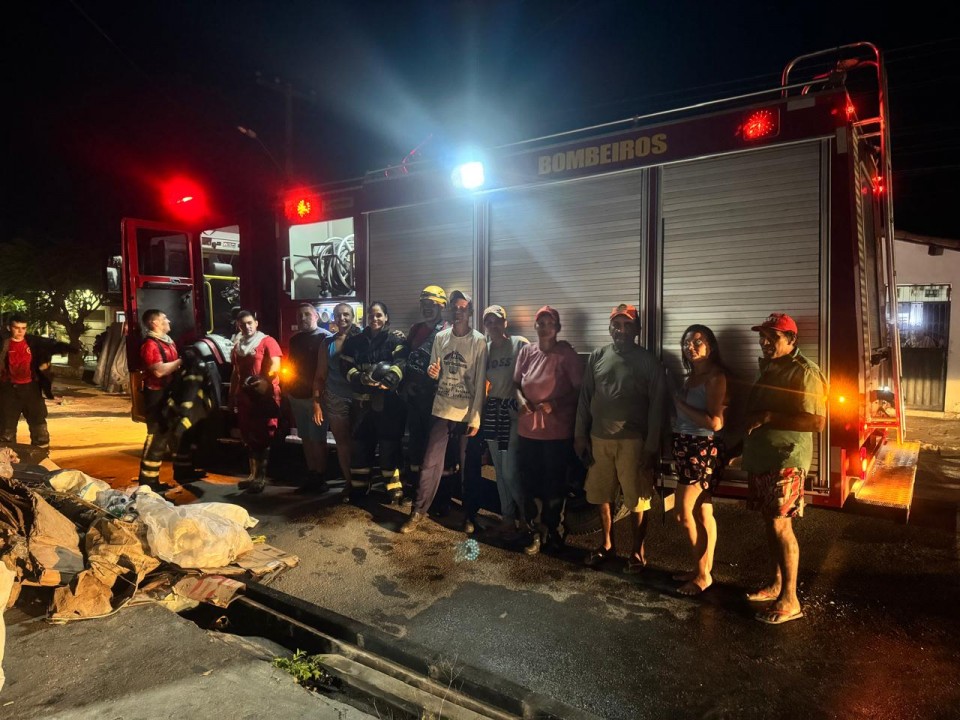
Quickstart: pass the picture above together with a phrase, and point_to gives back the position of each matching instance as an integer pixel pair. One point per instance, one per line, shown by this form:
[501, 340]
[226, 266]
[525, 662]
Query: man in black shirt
[297, 384]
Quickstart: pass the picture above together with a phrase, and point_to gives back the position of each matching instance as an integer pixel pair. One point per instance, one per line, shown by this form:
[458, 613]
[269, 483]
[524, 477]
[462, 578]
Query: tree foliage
[59, 282]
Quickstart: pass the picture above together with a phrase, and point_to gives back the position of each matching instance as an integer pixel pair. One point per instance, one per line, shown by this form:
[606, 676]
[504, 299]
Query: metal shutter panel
[412, 247]
[742, 239]
[574, 246]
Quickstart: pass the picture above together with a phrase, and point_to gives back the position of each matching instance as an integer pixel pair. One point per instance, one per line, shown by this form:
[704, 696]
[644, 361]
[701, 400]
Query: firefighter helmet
[434, 293]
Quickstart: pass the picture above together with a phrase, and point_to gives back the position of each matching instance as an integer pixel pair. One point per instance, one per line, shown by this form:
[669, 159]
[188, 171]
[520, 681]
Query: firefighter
[418, 389]
[160, 360]
[255, 395]
[373, 363]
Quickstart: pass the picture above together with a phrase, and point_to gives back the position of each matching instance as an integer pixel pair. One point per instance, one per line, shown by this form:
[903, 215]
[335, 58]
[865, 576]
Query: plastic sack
[194, 536]
[78, 483]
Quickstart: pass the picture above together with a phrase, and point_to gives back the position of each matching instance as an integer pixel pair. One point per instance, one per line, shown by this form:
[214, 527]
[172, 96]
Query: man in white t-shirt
[458, 361]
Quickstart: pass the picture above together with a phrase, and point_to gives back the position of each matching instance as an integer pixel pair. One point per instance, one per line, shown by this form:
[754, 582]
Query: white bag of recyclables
[194, 536]
[78, 483]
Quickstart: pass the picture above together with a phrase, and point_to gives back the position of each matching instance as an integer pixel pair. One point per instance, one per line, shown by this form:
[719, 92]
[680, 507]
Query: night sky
[105, 98]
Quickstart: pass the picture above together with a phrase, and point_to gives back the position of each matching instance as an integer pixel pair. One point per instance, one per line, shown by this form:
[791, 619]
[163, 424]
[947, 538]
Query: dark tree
[60, 281]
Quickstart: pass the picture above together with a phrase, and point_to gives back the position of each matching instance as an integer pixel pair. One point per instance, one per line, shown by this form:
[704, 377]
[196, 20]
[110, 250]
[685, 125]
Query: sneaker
[244, 484]
[533, 548]
[410, 525]
[599, 556]
[469, 527]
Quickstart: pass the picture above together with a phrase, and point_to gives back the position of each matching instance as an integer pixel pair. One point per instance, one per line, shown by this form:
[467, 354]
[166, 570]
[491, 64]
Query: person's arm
[270, 366]
[711, 418]
[398, 358]
[155, 365]
[234, 383]
[519, 368]
[480, 388]
[320, 378]
[581, 433]
[811, 412]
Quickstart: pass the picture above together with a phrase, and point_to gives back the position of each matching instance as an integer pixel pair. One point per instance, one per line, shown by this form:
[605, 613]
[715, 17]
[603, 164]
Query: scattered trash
[467, 550]
[214, 589]
[258, 539]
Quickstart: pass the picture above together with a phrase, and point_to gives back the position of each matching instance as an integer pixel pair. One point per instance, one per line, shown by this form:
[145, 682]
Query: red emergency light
[184, 199]
[302, 207]
[760, 124]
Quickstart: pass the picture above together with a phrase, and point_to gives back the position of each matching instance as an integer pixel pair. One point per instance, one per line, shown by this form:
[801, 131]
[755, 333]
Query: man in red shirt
[23, 358]
[158, 360]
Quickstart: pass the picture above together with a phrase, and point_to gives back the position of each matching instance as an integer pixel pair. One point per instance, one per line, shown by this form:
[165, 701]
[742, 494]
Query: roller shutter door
[574, 246]
[412, 247]
[742, 239]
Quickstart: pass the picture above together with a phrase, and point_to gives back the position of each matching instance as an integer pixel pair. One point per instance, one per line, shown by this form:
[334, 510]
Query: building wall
[916, 267]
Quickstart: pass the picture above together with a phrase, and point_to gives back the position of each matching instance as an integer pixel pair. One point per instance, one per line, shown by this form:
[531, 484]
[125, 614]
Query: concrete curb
[475, 682]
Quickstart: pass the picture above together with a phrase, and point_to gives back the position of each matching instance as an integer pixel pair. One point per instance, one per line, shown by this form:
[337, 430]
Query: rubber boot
[259, 481]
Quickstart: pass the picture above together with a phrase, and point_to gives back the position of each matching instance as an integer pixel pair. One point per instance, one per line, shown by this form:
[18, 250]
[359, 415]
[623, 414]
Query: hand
[434, 370]
[757, 420]
[472, 430]
[546, 407]
[317, 413]
[525, 407]
[581, 446]
[648, 460]
[365, 379]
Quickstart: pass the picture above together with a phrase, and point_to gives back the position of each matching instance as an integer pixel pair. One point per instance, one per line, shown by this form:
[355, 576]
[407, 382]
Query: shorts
[307, 429]
[699, 460]
[778, 493]
[617, 463]
[335, 406]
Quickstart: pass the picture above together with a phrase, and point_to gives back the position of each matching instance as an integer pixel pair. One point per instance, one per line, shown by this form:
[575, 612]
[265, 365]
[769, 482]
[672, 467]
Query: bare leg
[696, 517]
[787, 556]
[606, 521]
[640, 522]
[770, 591]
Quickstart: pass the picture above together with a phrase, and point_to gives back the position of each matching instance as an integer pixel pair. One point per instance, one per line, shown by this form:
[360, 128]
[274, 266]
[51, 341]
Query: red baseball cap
[778, 321]
[628, 311]
[547, 310]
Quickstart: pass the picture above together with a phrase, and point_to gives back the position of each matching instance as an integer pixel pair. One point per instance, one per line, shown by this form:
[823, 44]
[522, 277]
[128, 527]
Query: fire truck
[718, 213]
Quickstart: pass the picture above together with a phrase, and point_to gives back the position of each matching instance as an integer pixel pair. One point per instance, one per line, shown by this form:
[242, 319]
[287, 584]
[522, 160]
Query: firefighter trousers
[378, 422]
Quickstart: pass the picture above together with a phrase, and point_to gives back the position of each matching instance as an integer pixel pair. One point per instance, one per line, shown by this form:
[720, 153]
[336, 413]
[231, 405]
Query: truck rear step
[889, 482]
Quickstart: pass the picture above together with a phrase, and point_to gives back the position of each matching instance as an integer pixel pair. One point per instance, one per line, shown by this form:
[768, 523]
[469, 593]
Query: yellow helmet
[435, 294]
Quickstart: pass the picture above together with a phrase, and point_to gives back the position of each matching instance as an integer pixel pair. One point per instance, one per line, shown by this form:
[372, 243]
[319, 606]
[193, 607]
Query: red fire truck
[718, 213]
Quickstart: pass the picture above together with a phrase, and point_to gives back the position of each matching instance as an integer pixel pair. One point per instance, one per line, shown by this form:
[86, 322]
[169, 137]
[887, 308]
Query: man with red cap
[785, 407]
[618, 431]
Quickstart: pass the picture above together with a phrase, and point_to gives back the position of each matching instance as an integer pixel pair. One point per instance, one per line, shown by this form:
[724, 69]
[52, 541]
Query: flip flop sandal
[778, 617]
[762, 596]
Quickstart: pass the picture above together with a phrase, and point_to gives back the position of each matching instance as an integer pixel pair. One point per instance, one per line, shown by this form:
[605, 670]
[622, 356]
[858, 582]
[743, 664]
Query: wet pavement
[879, 638]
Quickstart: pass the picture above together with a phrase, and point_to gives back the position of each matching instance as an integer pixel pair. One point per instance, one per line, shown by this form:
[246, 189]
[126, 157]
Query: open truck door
[161, 263]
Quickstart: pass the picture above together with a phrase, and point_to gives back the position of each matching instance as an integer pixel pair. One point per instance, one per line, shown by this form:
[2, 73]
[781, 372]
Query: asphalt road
[879, 638]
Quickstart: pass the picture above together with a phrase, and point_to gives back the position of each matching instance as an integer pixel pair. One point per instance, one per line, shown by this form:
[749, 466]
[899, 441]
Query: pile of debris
[101, 549]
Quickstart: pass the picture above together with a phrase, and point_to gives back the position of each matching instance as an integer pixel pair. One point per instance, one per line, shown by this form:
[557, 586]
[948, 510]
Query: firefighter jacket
[362, 354]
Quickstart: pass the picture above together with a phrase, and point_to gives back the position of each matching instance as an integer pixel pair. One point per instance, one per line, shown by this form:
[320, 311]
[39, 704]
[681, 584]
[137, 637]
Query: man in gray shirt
[618, 430]
[458, 362]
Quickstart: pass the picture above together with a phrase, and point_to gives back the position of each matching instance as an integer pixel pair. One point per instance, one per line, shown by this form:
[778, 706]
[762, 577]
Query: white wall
[914, 266]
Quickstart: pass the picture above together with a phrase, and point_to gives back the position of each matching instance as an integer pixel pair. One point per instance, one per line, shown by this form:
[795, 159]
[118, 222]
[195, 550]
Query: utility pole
[289, 93]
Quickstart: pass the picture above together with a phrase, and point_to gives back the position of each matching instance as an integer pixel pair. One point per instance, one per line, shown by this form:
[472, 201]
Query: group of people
[534, 408]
